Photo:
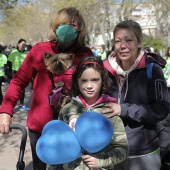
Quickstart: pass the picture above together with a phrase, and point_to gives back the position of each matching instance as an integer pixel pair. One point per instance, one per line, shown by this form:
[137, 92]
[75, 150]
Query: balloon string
[83, 151]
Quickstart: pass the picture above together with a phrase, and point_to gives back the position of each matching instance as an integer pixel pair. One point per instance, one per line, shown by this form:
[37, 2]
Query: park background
[30, 19]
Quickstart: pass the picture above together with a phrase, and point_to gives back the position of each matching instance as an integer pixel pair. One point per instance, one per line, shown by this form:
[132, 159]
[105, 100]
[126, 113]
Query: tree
[32, 19]
[4, 4]
[162, 12]
[157, 43]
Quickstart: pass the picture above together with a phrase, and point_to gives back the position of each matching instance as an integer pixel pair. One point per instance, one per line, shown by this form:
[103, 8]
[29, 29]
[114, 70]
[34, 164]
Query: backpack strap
[149, 70]
[110, 69]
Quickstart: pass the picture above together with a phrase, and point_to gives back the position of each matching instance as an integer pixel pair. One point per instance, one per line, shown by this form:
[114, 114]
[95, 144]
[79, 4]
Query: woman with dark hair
[16, 58]
[66, 35]
[142, 101]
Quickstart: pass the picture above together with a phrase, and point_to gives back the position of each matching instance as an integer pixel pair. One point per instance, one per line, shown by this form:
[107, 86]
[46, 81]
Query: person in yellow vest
[3, 61]
[16, 58]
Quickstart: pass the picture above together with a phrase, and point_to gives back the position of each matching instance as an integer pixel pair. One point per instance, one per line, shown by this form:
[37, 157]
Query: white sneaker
[23, 108]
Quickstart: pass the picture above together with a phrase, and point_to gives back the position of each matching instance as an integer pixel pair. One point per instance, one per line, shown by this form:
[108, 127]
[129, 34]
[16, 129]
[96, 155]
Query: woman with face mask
[66, 35]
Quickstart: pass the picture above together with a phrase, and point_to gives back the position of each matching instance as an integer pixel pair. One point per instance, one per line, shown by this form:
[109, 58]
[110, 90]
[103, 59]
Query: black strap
[50, 75]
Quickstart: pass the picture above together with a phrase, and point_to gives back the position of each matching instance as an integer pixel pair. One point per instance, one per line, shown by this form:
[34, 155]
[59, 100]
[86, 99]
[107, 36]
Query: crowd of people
[11, 60]
[142, 101]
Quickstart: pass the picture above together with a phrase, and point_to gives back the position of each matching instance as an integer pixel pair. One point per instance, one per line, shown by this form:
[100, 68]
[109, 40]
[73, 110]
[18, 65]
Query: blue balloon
[94, 131]
[58, 144]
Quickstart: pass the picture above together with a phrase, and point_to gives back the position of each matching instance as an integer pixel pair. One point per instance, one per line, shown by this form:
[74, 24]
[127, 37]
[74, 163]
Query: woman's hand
[5, 121]
[65, 100]
[90, 161]
[113, 108]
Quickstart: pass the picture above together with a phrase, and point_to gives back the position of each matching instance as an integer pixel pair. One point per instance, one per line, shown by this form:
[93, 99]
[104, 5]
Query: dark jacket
[144, 102]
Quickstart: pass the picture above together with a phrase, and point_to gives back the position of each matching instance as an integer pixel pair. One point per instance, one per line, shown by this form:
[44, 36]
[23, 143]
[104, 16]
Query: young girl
[89, 83]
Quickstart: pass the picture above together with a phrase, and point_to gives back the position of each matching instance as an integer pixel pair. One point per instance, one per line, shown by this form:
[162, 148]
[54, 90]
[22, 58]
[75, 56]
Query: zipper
[119, 94]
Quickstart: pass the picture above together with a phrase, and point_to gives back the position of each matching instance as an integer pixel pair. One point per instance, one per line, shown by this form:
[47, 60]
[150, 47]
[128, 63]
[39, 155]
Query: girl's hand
[113, 108]
[90, 161]
[72, 123]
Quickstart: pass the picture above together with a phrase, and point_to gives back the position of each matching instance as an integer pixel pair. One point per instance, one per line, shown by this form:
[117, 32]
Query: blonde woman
[66, 35]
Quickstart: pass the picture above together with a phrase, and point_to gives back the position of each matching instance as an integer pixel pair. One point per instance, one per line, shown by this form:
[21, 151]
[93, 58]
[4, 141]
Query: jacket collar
[103, 98]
